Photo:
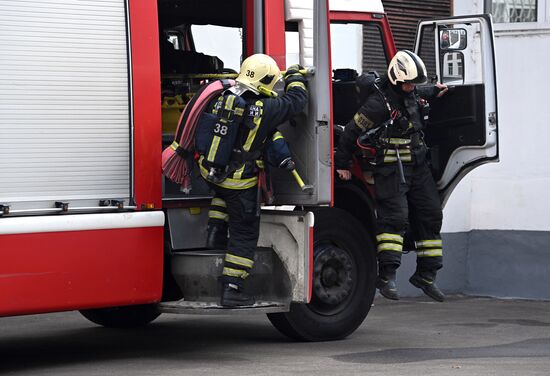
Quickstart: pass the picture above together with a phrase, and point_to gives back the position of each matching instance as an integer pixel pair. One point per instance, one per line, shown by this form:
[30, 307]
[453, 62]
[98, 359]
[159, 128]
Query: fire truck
[91, 92]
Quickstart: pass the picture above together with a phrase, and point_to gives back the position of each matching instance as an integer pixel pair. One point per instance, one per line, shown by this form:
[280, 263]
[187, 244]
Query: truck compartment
[196, 273]
[282, 265]
[196, 46]
[65, 113]
[189, 38]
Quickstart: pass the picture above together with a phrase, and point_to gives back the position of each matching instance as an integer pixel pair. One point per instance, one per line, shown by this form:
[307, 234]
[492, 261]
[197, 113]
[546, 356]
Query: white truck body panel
[81, 222]
[374, 6]
[301, 11]
[290, 237]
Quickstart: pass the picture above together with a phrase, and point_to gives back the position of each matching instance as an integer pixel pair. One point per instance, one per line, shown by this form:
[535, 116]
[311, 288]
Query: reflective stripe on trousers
[389, 242]
[429, 248]
[218, 209]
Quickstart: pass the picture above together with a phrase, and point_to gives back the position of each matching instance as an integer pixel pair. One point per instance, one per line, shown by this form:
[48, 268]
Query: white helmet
[407, 67]
[259, 73]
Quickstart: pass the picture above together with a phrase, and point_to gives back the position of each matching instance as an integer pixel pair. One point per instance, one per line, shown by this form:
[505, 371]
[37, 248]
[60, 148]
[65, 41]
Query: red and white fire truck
[88, 96]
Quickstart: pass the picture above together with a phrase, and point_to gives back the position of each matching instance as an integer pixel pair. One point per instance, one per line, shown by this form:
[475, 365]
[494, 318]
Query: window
[427, 50]
[444, 62]
[453, 72]
[221, 41]
[374, 54]
[358, 46]
[512, 11]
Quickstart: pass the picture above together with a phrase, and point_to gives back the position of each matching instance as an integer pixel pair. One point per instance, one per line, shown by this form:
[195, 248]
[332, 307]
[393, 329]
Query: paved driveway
[464, 336]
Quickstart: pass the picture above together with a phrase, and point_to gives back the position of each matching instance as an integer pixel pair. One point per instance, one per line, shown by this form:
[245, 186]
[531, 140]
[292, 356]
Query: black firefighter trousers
[414, 206]
[244, 230]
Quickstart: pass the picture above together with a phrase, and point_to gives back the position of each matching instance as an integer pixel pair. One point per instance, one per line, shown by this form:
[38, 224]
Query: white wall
[515, 193]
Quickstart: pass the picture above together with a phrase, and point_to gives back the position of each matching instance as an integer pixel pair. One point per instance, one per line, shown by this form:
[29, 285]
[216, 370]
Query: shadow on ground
[535, 348]
[190, 342]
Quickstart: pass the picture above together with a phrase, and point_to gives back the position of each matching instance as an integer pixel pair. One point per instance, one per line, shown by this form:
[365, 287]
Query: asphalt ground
[463, 336]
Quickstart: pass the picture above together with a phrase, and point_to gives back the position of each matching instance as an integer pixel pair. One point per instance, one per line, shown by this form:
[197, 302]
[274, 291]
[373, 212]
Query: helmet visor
[420, 79]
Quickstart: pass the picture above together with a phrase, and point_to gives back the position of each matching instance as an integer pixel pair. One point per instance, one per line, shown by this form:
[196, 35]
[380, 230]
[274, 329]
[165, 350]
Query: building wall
[496, 232]
[509, 195]
[498, 215]
[404, 16]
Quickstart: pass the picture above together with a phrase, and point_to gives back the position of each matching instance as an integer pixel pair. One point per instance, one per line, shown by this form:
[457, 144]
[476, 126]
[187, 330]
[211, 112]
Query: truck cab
[356, 39]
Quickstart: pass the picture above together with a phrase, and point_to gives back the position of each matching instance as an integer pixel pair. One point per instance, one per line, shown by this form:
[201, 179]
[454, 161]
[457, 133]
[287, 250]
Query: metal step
[212, 308]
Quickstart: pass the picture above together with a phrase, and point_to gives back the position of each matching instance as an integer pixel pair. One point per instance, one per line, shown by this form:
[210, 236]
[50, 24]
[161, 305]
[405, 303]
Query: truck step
[213, 308]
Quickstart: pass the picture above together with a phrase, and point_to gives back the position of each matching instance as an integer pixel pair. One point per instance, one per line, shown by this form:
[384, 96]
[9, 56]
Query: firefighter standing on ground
[404, 191]
[234, 207]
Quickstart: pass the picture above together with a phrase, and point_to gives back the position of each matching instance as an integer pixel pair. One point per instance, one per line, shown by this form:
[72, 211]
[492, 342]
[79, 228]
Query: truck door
[462, 129]
[309, 134]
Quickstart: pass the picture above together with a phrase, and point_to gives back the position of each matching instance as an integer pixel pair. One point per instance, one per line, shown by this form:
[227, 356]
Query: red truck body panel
[67, 270]
[147, 110]
[46, 272]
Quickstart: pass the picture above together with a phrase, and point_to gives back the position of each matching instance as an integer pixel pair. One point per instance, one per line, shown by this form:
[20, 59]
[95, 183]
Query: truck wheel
[122, 317]
[344, 273]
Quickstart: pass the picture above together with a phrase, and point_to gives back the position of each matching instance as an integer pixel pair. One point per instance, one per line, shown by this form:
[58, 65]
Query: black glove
[293, 74]
[287, 164]
[296, 68]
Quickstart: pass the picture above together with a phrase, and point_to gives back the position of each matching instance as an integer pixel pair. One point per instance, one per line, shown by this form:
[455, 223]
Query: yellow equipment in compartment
[172, 107]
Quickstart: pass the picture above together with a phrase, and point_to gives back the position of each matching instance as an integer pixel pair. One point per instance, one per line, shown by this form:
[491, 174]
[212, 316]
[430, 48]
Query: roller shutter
[374, 54]
[404, 16]
[65, 123]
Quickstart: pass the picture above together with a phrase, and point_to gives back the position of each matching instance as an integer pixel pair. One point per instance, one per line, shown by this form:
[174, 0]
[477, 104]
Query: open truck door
[309, 133]
[462, 129]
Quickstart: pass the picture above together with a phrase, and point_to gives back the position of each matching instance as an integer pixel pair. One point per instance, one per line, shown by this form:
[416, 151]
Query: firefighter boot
[385, 283]
[216, 237]
[426, 282]
[233, 296]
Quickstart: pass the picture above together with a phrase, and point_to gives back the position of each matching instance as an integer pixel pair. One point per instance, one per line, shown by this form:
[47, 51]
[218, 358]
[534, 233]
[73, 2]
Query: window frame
[542, 23]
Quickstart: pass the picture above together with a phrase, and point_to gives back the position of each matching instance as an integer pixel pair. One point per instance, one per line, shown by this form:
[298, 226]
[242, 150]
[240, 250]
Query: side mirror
[452, 39]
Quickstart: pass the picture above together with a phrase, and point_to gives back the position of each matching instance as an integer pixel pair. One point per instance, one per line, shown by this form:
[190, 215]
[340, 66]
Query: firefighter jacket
[403, 136]
[261, 117]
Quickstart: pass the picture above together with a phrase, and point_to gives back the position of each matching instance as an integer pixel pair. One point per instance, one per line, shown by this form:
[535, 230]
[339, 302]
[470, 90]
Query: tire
[122, 317]
[343, 281]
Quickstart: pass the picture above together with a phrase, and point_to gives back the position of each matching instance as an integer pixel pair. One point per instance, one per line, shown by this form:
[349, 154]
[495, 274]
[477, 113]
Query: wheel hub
[329, 276]
[333, 278]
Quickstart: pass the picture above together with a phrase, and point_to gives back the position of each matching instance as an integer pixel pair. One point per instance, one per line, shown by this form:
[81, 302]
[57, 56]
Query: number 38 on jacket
[217, 131]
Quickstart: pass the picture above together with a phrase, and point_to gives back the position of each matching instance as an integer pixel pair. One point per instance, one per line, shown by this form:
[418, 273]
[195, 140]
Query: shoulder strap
[229, 107]
[381, 93]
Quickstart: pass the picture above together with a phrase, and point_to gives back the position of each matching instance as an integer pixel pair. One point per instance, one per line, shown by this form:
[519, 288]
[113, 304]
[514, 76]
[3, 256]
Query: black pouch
[249, 204]
[386, 182]
[204, 132]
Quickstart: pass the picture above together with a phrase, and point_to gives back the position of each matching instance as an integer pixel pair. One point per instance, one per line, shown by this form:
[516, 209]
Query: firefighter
[276, 154]
[235, 206]
[405, 192]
